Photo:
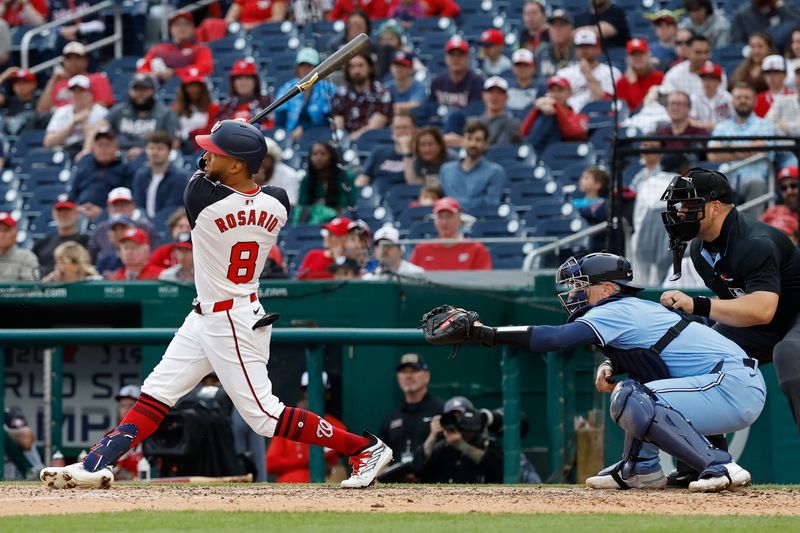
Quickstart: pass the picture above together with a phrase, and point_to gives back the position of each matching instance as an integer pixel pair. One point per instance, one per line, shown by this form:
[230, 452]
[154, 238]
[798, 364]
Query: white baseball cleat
[736, 478]
[653, 480]
[368, 463]
[75, 476]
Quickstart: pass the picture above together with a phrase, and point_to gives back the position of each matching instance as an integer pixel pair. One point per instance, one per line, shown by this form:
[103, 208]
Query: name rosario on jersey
[247, 218]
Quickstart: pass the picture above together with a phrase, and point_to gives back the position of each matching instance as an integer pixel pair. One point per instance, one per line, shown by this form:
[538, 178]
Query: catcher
[678, 370]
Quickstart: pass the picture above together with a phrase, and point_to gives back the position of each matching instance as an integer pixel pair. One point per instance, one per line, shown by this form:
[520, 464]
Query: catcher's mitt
[452, 325]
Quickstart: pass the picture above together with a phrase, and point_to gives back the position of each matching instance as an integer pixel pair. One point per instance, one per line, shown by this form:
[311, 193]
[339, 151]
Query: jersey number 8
[243, 262]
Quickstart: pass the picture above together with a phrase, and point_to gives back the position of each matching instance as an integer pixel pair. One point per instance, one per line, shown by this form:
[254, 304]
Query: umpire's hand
[604, 382]
[678, 301]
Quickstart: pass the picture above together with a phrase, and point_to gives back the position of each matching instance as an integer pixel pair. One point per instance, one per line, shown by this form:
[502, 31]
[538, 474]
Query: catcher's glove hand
[452, 325]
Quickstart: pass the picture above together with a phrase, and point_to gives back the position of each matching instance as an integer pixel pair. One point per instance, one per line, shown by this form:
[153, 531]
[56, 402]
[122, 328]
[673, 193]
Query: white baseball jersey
[232, 234]
[580, 87]
[714, 109]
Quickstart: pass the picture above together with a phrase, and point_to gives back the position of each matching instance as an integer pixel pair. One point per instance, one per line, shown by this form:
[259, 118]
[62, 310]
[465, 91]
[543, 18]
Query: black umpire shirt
[408, 426]
[750, 256]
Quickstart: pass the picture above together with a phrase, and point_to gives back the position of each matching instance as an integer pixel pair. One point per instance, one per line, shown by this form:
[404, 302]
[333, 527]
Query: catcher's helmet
[577, 274]
[238, 139]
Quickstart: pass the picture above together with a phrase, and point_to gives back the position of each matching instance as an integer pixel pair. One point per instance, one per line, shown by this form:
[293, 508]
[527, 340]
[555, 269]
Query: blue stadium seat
[519, 172]
[546, 210]
[492, 212]
[507, 255]
[229, 44]
[495, 228]
[44, 177]
[501, 153]
[433, 42]
[41, 158]
[397, 197]
[526, 195]
[601, 112]
[223, 62]
[422, 230]
[122, 65]
[558, 155]
[27, 141]
[413, 215]
[296, 238]
[571, 173]
[732, 53]
[311, 136]
[370, 139]
[557, 227]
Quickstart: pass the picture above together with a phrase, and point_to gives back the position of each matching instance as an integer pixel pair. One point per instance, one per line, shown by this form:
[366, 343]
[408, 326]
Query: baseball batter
[234, 224]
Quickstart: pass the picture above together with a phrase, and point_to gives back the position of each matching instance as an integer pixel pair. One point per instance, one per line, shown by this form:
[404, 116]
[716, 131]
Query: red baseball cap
[456, 43]
[448, 203]
[244, 67]
[137, 235]
[192, 75]
[184, 241]
[560, 81]
[7, 219]
[64, 203]
[789, 173]
[181, 15]
[401, 57]
[711, 70]
[492, 37]
[23, 75]
[637, 45]
[337, 226]
[359, 226]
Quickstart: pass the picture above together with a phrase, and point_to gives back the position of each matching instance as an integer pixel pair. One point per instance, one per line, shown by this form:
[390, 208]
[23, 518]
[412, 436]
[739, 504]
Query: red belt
[224, 305]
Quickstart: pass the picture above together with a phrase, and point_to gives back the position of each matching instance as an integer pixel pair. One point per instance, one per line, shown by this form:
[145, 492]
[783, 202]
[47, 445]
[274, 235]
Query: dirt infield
[20, 498]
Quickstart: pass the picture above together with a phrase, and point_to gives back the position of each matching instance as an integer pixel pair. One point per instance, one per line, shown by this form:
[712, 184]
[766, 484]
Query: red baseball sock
[146, 414]
[304, 426]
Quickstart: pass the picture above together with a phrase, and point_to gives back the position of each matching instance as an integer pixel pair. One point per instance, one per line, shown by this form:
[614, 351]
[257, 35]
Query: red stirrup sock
[146, 414]
[304, 426]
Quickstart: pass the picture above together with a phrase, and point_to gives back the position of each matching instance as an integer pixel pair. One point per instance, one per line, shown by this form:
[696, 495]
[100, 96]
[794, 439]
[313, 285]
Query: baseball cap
[192, 75]
[119, 218]
[401, 57]
[492, 37]
[665, 15]
[359, 226]
[560, 81]
[137, 235]
[105, 132]
[711, 185]
[523, 55]
[457, 403]
[773, 63]
[74, 48]
[337, 226]
[637, 45]
[23, 75]
[7, 219]
[181, 15]
[244, 67]
[119, 194]
[560, 14]
[495, 82]
[413, 360]
[387, 233]
[143, 80]
[64, 203]
[79, 81]
[788, 173]
[448, 203]
[456, 43]
[325, 382]
[307, 55]
[585, 37]
[344, 263]
[184, 240]
[710, 70]
[128, 391]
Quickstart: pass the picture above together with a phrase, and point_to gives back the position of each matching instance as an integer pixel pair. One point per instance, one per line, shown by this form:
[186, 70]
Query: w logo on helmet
[324, 429]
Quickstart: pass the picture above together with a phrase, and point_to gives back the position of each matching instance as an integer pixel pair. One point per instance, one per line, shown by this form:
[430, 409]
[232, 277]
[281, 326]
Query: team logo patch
[324, 429]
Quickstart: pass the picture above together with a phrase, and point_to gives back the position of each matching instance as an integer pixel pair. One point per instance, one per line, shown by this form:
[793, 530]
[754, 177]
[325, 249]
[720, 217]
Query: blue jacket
[318, 108]
[92, 182]
[170, 190]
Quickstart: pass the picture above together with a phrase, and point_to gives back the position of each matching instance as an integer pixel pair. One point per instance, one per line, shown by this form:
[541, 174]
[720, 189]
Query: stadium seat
[558, 155]
[41, 158]
[508, 255]
[601, 113]
[371, 139]
[557, 227]
[422, 230]
[296, 238]
[27, 140]
[413, 215]
[492, 212]
[732, 53]
[398, 197]
[546, 210]
[519, 172]
[121, 66]
[495, 228]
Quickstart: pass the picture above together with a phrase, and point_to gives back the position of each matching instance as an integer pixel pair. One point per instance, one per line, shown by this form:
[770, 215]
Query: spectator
[685, 76]
[773, 68]
[178, 224]
[325, 184]
[749, 70]
[784, 113]
[385, 165]
[180, 54]
[88, 27]
[503, 126]
[356, 23]
[759, 15]
[522, 90]
[369, 9]
[390, 41]
[589, 79]
[462, 255]
[679, 107]
[473, 181]
[389, 257]
[458, 449]
[16, 264]
[108, 262]
[612, 20]
[406, 427]
[715, 104]
[183, 269]
[75, 61]
[534, 26]
[429, 154]
[276, 173]
[119, 202]
[407, 92]
[246, 98]
[407, 11]
[134, 253]
[66, 218]
[194, 107]
[792, 57]
[345, 268]
[639, 75]
[662, 52]
[24, 12]
[493, 62]
[682, 49]
[316, 262]
[159, 184]
[593, 184]
[786, 223]
[19, 108]
[251, 13]
[652, 113]
[22, 459]
[71, 123]
[127, 468]
[141, 115]
[362, 104]
[703, 20]
[357, 246]
[552, 119]
[559, 53]
[789, 186]
[289, 459]
[749, 181]
[459, 85]
[72, 264]
[310, 109]
[651, 164]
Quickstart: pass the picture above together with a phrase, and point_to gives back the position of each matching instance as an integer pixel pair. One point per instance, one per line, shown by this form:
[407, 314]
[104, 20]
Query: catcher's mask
[578, 274]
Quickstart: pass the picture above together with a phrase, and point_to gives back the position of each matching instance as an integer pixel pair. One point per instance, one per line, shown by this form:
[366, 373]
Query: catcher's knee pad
[632, 407]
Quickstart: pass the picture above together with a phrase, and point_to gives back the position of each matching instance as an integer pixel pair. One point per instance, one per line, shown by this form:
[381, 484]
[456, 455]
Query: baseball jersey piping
[704, 388]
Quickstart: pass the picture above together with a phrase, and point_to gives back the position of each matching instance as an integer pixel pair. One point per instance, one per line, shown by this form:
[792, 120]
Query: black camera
[469, 421]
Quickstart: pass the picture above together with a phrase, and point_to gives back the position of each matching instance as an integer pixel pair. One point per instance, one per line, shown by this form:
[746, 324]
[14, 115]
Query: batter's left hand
[678, 301]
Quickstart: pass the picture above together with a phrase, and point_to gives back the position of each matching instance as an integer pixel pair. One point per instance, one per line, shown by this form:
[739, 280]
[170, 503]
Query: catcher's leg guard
[636, 410]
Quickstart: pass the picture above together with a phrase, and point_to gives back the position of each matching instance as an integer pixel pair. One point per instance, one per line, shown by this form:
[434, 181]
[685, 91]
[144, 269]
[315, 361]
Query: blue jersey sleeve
[613, 322]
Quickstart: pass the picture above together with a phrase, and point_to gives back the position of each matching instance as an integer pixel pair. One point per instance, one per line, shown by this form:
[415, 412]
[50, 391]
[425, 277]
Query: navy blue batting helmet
[578, 274]
[238, 139]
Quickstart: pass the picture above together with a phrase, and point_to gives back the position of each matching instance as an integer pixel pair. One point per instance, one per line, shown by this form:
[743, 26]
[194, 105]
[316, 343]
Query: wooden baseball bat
[248, 478]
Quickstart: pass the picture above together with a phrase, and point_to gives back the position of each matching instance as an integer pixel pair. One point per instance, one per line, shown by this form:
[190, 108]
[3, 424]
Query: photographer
[458, 448]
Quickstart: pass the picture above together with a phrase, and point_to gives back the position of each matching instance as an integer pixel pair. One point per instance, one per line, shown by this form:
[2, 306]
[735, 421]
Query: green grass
[327, 522]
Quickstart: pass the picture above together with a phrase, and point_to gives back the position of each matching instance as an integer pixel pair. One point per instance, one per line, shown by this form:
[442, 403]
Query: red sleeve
[625, 91]
[573, 126]
[40, 6]
[162, 256]
[275, 255]
[203, 61]
[118, 275]
[101, 90]
[443, 8]
[413, 258]
[483, 261]
[378, 9]
[762, 105]
[146, 66]
[340, 10]
[527, 124]
[281, 458]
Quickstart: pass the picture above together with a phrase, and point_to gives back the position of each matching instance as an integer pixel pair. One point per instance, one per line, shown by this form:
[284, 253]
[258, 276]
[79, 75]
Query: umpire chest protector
[641, 364]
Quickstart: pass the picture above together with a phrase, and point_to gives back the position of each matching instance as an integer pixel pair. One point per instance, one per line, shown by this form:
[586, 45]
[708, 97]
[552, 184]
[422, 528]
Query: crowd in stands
[462, 122]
